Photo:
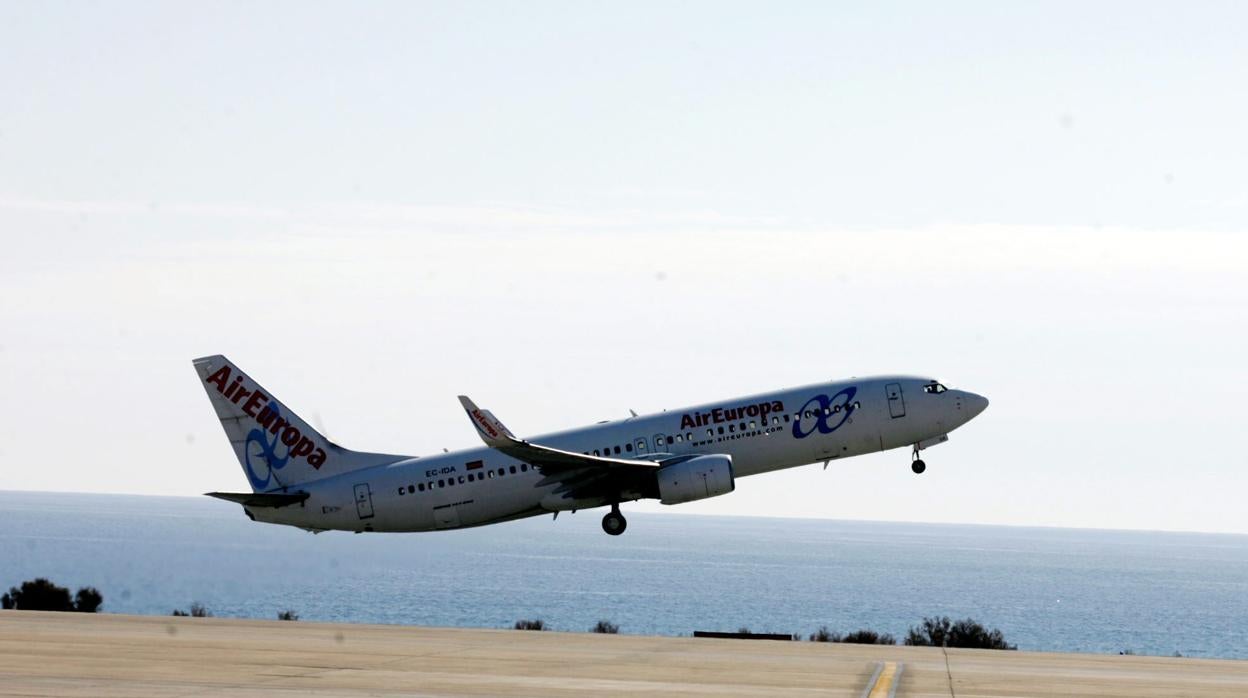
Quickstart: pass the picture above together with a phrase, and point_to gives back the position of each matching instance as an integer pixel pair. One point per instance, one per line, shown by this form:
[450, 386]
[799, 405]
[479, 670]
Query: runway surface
[68, 654]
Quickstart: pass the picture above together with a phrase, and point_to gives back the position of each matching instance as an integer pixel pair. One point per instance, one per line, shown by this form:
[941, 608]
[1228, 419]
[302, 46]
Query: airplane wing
[550, 461]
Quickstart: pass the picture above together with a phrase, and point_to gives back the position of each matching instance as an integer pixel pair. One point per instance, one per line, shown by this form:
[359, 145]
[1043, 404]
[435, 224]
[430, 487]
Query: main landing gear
[614, 522]
[916, 463]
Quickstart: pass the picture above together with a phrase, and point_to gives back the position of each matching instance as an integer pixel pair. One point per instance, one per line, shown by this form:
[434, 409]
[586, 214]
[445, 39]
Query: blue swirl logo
[266, 451]
[820, 410]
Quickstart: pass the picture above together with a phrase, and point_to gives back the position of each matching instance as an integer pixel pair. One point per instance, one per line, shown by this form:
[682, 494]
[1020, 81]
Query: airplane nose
[975, 404]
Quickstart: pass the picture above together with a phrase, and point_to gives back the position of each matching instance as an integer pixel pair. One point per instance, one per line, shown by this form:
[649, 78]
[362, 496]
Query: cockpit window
[934, 387]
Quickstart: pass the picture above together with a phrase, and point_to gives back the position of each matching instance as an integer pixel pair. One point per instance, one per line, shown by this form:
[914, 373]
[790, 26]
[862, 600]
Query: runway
[67, 654]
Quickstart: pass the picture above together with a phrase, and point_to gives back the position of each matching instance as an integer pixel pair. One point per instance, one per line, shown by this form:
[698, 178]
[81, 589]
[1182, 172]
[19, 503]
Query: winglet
[492, 431]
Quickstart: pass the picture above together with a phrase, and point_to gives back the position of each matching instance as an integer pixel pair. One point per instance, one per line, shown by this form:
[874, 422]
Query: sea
[1046, 589]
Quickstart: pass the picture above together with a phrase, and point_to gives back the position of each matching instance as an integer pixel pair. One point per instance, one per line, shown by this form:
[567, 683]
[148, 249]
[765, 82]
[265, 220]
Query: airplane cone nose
[976, 404]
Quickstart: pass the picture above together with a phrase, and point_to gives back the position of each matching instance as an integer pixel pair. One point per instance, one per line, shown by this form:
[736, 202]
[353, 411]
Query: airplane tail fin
[276, 448]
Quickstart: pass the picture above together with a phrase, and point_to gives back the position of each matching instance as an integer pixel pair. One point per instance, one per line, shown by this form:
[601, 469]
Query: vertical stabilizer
[276, 448]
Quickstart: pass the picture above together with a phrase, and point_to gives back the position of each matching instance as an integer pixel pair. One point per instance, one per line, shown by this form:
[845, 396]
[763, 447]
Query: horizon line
[1242, 534]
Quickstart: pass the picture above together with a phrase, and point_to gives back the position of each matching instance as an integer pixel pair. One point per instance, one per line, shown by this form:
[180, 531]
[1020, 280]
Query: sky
[570, 210]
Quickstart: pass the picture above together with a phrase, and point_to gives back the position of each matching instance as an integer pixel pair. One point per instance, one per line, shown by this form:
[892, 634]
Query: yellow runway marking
[884, 686]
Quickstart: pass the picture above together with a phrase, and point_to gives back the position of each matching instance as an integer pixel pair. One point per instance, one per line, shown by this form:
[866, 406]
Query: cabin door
[363, 501]
[896, 403]
[639, 445]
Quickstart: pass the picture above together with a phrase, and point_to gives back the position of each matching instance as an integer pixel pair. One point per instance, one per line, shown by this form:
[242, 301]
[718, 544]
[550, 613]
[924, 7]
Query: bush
[858, 637]
[606, 627]
[88, 600]
[869, 637]
[197, 611]
[287, 615]
[536, 624]
[942, 632]
[42, 595]
[824, 635]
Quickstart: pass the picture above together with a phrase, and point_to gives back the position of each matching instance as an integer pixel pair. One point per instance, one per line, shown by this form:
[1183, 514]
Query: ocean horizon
[1046, 589]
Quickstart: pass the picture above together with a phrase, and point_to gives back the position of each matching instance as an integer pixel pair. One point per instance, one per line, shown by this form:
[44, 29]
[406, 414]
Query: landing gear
[614, 522]
[916, 463]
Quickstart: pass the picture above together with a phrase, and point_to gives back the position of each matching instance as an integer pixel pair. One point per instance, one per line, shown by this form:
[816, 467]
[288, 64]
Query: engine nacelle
[697, 478]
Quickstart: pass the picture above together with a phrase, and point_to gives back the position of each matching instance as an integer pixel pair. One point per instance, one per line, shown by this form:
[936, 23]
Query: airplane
[300, 478]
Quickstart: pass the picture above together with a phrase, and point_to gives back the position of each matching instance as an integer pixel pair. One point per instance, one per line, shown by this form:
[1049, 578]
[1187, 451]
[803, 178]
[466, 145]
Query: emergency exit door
[896, 402]
[364, 501]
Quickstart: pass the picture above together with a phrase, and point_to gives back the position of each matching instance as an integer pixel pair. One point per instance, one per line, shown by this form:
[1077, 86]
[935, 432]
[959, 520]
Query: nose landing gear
[916, 463]
[614, 522]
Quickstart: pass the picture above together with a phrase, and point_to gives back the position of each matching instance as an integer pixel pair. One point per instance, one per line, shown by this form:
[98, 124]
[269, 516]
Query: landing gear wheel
[614, 522]
[916, 463]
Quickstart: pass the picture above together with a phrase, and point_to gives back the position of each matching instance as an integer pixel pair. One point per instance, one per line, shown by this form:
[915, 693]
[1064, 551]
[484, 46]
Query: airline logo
[824, 414]
[267, 414]
[484, 424]
[731, 414]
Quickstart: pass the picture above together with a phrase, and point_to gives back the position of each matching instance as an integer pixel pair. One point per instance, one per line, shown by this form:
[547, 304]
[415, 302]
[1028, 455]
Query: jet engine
[697, 478]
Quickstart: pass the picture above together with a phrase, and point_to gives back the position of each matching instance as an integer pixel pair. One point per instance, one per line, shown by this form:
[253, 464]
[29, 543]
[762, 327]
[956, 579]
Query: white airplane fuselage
[761, 433]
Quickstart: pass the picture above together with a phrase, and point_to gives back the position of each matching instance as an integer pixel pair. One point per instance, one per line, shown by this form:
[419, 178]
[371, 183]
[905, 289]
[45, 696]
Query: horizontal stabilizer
[261, 499]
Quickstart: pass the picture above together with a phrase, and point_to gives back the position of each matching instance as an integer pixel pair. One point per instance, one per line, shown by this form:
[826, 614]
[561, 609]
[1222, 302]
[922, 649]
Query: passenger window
[710, 432]
[721, 430]
[513, 470]
[595, 451]
[441, 483]
[786, 417]
[421, 487]
[688, 436]
[471, 477]
[669, 439]
[450, 482]
[410, 489]
[617, 450]
[732, 428]
[490, 474]
[461, 479]
[742, 426]
[752, 425]
[502, 472]
[524, 467]
[628, 447]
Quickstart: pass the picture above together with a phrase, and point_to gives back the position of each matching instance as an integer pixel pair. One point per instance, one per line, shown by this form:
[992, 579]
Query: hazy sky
[570, 210]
